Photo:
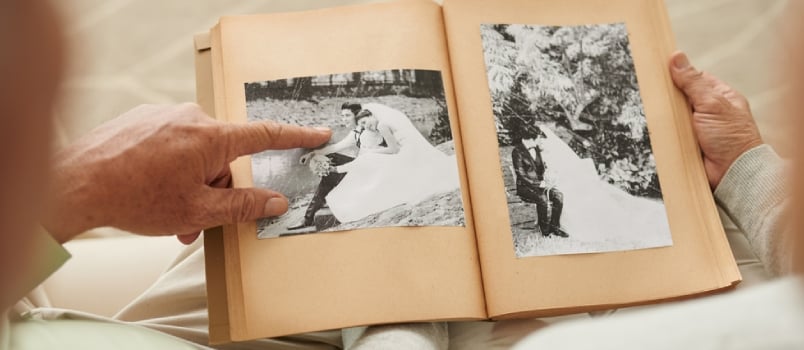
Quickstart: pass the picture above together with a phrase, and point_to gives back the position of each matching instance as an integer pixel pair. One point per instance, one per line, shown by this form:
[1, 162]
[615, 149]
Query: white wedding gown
[376, 182]
[598, 212]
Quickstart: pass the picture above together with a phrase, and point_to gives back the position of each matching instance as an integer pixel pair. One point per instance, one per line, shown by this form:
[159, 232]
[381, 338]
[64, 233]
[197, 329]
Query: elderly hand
[721, 117]
[162, 170]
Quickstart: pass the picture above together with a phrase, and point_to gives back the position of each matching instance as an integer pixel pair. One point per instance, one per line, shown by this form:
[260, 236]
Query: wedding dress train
[598, 212]
[376, 182]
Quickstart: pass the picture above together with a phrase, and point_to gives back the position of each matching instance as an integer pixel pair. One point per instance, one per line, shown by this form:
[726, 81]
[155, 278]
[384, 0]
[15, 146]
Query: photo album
[489, 160]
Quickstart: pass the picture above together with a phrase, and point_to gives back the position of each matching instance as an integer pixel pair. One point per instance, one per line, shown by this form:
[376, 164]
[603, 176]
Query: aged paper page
[699, 259]
[329, 280]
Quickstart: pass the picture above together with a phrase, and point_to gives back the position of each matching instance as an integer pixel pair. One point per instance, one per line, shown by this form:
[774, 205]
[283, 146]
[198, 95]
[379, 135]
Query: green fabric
[47, 257]
[51, 256]
[88, 335]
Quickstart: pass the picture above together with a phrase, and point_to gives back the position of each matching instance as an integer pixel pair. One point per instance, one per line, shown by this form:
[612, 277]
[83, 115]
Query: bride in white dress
[596, 211]
[407, 171]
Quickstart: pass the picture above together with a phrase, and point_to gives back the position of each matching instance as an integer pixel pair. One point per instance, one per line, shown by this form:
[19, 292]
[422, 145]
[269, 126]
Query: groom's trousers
[549, 204]
[326, 186]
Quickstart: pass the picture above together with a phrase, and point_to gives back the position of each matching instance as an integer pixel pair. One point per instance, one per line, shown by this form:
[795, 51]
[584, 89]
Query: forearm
[71, 212]
[754, 193]
[527, 179]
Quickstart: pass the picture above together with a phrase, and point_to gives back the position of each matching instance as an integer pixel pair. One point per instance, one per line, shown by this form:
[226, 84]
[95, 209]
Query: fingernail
[681, 61]
[275, 206]
[321, 128]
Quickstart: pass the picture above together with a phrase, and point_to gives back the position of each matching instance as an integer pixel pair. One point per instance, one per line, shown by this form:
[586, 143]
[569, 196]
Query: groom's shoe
[299, 226]
[560, 232]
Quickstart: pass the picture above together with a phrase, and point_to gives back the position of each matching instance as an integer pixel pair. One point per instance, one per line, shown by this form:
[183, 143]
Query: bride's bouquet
[320, 165]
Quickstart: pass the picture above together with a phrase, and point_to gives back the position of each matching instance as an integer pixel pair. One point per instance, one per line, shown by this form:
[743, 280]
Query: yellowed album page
[307, 282]
[698, 259]
[213, 237]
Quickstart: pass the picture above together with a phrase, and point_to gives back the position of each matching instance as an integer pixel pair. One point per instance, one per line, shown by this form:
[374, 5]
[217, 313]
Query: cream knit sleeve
[755, 194]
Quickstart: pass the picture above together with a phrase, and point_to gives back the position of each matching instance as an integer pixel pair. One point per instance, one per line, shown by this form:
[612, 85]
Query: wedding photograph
[574, 146]
[390, 162]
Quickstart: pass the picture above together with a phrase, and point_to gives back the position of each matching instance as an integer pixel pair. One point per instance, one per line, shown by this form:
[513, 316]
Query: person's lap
[176, 305]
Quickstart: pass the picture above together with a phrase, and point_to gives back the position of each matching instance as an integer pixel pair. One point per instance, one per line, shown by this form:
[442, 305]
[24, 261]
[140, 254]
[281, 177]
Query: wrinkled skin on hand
[721, 117]
[163, 170]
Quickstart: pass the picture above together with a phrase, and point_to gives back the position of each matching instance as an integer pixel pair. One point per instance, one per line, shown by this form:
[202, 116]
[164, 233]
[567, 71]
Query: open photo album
[489, 160]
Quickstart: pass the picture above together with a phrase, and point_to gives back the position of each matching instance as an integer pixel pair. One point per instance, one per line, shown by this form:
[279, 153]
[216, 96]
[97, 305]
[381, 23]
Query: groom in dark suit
[328, 182]
[530, 183]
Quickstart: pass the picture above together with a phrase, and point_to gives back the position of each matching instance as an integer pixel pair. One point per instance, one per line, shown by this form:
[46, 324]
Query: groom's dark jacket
[529, 172]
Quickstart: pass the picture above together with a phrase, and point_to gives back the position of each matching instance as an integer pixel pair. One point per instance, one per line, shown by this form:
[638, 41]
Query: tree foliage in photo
[582, 80]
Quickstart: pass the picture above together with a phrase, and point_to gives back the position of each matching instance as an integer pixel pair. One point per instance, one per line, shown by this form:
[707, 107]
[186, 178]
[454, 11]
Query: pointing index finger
[253, 137]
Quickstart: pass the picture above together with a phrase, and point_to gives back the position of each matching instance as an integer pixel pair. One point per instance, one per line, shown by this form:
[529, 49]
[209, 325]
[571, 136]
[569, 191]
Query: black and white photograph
[390, 162]
[575, 152]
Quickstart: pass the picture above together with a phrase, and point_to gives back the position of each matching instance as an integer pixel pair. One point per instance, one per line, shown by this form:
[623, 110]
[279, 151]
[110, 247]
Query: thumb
[705, 92]
[685, 76]
[694, 83]
[233, 205]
